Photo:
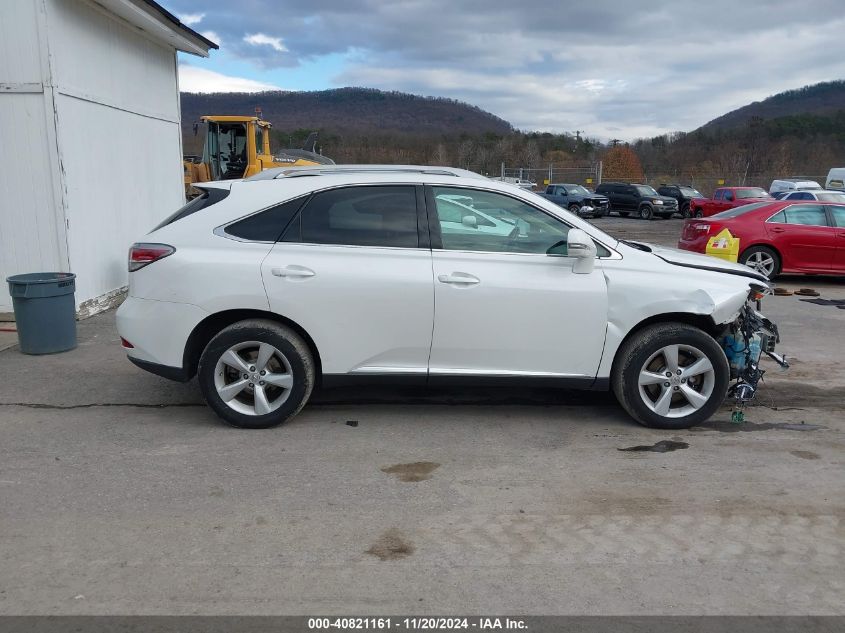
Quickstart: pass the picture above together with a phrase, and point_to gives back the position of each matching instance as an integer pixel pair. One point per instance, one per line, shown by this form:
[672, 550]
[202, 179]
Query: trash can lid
[40, 278]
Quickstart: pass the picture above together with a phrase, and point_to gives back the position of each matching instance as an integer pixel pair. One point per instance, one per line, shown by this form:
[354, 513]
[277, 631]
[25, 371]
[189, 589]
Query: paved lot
[121, 493]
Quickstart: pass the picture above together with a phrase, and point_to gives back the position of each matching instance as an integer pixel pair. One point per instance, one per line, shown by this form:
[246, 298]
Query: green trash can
[45, 311]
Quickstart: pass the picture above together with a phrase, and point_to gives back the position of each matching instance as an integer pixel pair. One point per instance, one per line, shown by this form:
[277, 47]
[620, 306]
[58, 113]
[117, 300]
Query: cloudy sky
[612, 68]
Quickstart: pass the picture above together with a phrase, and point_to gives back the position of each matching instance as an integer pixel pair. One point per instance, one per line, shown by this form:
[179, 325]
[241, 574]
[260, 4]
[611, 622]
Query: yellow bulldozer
[239, 147]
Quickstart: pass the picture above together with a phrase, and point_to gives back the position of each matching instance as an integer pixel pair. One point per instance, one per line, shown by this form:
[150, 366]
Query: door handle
[459, 279]
[294, 272]
[777, 229]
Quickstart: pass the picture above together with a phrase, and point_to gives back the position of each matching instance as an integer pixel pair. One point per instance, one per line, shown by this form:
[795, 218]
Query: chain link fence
[588, 175]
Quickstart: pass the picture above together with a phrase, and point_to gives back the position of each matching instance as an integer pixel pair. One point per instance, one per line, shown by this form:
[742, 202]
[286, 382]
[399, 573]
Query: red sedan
[778, 237]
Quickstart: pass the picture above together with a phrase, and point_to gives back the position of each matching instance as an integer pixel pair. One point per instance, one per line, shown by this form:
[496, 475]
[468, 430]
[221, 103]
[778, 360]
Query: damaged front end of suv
[745, 340]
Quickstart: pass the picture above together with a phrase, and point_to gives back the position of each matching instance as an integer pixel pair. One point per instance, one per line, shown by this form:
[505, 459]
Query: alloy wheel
[676, 380]
[762, 262]
[253, 378]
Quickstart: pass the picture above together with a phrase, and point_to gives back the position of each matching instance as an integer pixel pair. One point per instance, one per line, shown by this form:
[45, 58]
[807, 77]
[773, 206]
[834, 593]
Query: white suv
[267, 287]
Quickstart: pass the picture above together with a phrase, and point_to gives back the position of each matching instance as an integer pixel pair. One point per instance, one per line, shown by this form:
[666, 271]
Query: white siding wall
[117, 108]
[90, 143]
[132, 182]
[31, 218]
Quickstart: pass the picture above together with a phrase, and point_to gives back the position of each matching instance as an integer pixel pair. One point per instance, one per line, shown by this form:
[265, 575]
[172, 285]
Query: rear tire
[762, 259]
[231, 379]
[685, 211]
[639, 379]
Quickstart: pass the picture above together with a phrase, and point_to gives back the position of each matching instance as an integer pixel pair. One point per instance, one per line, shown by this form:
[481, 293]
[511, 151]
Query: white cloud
[213, 36]
[193, 79]
[189, 19]
[259, 39]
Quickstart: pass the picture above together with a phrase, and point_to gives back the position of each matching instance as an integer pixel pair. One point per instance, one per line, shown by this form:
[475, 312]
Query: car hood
[687, 259]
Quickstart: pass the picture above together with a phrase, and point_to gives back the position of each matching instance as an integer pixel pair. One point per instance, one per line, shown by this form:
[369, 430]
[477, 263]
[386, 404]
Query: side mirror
[470, 221]
[581, 246]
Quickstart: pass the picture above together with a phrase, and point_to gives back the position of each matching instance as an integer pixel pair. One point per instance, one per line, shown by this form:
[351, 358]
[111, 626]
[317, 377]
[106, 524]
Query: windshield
[691, 193]
[581, 191]
[738, 211]
[645, 190]
[831, 197]
[751, 192]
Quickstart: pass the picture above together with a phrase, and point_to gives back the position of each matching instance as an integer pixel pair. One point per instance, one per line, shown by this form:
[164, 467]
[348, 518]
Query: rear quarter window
[267, 225]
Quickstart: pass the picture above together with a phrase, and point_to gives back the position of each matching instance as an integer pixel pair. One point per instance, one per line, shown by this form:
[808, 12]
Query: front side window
[720, 194]
[497, 223]
[806, 214]
[838, 215]
[691, 193]
[646, 191]
[360, 216]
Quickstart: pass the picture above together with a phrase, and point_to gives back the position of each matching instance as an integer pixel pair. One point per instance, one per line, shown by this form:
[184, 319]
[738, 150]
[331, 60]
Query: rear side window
[268, 225]
[806, 214]
[207, 198]
[360, 216]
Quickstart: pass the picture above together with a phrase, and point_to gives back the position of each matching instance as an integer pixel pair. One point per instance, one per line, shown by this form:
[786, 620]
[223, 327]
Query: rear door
[354, 271]
[504, 307]
[803, 236]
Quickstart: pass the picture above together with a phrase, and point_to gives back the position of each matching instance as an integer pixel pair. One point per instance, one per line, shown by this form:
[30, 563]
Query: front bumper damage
[745, 342]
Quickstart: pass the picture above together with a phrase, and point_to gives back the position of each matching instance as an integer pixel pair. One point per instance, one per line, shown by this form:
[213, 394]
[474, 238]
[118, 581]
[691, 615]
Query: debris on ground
[807, 292]
[663, 446]
[826, 302]
[782, 292]
[352, 423]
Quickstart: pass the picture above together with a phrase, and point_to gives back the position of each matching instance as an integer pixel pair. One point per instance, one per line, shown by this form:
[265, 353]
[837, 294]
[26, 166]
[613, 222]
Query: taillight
[142, 254]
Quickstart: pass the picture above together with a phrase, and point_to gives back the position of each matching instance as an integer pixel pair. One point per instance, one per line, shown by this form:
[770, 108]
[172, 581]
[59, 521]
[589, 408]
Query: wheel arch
[703, 322]
[212, 324]
[768, 245]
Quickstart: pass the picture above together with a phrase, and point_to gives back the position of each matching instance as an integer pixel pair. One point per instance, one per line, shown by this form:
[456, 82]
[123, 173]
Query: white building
[90, 139]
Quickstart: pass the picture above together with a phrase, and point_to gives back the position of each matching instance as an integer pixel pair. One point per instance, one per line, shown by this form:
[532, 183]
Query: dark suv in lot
[640, 199]
[683, 194]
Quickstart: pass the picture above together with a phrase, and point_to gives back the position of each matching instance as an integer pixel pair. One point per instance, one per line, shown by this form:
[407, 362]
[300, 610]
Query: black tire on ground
[624, 214]
[763, 252]
[698, 213]
[685, 213]
[288, 342]
[646, 212]
[575, 208]
[632, 356]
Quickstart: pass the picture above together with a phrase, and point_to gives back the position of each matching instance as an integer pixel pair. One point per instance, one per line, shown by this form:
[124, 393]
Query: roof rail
[333, 170]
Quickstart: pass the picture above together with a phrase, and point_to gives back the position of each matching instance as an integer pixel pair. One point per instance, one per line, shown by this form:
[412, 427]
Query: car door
[801, 233]
[353, 271]
[563, 196]
[504, 307]
[723, 201]
[837, 216]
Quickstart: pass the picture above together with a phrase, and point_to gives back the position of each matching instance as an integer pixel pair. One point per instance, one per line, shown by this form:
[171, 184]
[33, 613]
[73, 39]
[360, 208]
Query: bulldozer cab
[234, 145]
[239, 147]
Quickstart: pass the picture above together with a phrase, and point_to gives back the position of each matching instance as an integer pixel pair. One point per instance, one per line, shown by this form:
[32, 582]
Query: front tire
[646, 212]
[575, 208]
[256, 374]
[670, 376]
